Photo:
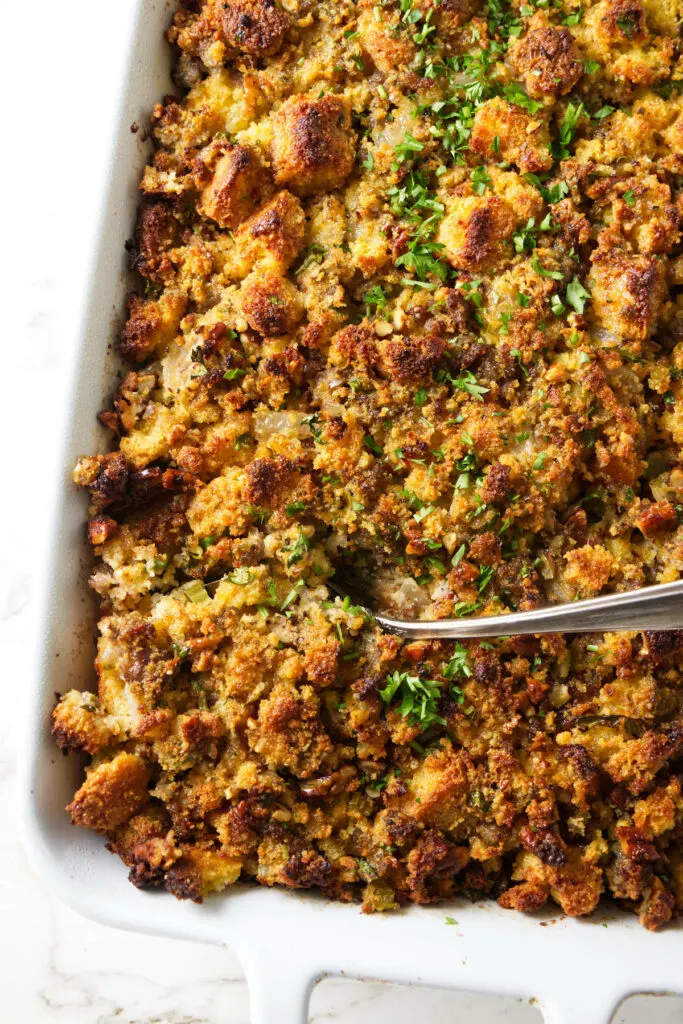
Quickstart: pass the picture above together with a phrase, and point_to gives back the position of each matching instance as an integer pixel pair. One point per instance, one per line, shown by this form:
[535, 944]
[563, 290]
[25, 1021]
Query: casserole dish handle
[585, 1004]
[280, 985]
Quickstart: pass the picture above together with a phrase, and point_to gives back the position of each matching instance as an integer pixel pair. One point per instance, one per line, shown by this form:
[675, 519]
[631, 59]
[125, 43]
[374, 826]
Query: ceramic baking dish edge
[576, 971]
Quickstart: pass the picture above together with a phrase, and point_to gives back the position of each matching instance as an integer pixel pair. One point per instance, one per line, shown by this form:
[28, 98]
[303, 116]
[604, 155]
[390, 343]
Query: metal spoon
[653, 608]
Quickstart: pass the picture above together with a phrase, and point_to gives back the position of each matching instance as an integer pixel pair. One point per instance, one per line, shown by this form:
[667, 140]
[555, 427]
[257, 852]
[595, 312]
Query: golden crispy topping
[409, 309]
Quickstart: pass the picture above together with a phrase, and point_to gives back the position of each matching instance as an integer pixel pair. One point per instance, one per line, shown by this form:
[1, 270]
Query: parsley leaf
[299, 548]
[422, 259]
[465, 381]
[418, 698]
[372, 445]
[572, 116]
[552, 193]
[576, 295]
[484, 578]
[458, 664]
[514, 93]
[375, 297]
[410, 145]
[628, 24]
[556, 275]
[480, 180]
[557, 305]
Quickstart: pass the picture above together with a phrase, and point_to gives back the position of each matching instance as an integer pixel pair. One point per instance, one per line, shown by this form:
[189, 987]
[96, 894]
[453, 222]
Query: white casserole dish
[576, 970]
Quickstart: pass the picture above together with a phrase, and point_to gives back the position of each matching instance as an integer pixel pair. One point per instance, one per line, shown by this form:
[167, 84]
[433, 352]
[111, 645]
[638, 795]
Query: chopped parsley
[375, 298]
[480, 180]
[514, 93]
[572, 116]
[556, 275]
[577, 295]
[292, 595]
[410, 145]
[314, 254]
[465, 381]
[372, 445]
[628, 24]
[551, 193]
[557, 305]
[301, 545]
[417, 699]
[458, 664]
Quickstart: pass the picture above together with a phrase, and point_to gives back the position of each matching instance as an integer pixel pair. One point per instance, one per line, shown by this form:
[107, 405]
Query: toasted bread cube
[274, 234]
[645, 65]
[662, 16]
[146, 844]
[526, 897]
[474, 230]
[576, 885]
[548, 61]
[216, 869]
[448, 15]
[151, 325]
[111, 794]
[79, 724]
[620, 21]
[271, 304]
[313, 146]
[256, 27]
[589, 569]
[627, 294]
[289, 732]
[158, 230]
[218, 506]
[522, 140]
[100, 529]
[391, 51]
[235, 188]
[658, 813]
[437, 787]
[651, 220]
[410, 360]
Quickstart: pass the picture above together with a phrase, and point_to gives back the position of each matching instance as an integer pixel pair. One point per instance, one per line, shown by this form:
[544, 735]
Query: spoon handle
[648, 608]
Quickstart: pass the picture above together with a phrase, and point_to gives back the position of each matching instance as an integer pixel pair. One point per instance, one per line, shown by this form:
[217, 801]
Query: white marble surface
[58, 968]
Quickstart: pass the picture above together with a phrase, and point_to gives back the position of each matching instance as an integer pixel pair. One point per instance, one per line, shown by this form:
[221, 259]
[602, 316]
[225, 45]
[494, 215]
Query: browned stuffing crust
[410, 301]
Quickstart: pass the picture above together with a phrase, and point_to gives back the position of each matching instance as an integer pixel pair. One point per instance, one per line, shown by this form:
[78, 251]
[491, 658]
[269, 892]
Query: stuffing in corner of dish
[410, 306]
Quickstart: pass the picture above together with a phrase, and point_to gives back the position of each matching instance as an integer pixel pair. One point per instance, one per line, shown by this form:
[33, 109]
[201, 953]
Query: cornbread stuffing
[410, 309]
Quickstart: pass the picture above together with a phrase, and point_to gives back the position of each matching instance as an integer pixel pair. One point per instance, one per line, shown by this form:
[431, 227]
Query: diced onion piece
[285, 423]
